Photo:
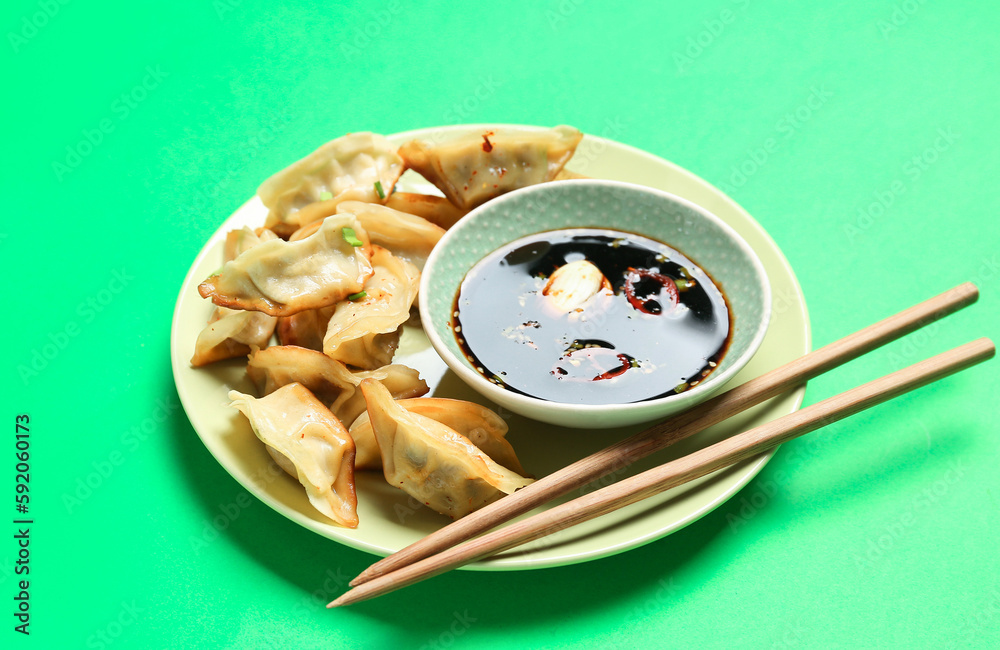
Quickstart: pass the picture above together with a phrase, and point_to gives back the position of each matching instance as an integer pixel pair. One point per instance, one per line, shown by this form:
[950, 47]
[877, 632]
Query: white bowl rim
[500, 395]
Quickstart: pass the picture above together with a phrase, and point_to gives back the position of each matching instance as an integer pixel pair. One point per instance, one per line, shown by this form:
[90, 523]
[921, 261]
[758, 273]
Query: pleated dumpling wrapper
[296, 425]
[431, 461]
[482, 165]
[328, 380]
[483, 427]
[436, 209]
[359, 166]
[364, 333]
[233, 333]
[405, 235]
[282, 278]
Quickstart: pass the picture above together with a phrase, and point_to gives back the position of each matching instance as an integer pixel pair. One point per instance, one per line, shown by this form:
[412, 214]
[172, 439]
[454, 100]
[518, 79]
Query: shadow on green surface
[646, 581]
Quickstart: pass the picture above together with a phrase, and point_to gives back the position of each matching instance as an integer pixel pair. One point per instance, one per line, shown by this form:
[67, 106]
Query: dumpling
[361, 166]
[305, 329]
[436, 209]
[295, 425]
[282, 278]
[432, 462]
[484, 428]
[232, 333]
[484, 164]
[364, 333]
[330, 381]
[243, 239]
[405, 235]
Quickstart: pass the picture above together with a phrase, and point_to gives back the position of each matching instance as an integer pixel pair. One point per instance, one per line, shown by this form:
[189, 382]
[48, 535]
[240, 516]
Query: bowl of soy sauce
[594, 304]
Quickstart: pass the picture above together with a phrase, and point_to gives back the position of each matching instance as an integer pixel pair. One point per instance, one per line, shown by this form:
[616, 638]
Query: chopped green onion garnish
[357, 296]
[325, 196]
[351, 237]
[378, 188]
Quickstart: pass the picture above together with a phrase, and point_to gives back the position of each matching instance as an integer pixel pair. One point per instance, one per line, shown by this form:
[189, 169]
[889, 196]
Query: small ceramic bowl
[698, 234]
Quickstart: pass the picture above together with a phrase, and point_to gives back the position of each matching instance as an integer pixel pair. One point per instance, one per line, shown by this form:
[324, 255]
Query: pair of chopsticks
[444, 549]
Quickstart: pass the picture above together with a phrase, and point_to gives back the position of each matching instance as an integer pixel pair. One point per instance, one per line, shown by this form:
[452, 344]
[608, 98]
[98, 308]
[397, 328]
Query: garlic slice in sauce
[573, 284]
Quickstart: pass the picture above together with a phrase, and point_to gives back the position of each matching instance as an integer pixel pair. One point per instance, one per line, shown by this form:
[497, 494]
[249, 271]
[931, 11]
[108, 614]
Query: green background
[861, 135]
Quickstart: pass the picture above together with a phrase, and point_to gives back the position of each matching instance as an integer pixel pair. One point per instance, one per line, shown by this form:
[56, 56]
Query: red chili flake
[614, 372]
[487, 145]
[591, 364]
[650, 302]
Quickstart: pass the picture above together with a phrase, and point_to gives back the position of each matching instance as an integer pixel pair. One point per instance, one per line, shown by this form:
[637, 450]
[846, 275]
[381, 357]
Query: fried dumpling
[232, 333]
[483, 427]
[405, 235]
[431, 461]
[359, 166]
[364, 333]
[436, 209]
[484, 164]
[305, 329]
[282, 278]
[329, 380]
[294, 424]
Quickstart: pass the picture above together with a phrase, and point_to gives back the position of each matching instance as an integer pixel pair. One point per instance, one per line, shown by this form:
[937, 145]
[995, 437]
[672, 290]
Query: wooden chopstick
[619, 456]
[702, 462]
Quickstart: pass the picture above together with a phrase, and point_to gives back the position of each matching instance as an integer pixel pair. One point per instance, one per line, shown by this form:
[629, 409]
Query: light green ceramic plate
[388, 519]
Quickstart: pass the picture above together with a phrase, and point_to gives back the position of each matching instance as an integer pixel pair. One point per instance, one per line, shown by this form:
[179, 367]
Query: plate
[389, 520]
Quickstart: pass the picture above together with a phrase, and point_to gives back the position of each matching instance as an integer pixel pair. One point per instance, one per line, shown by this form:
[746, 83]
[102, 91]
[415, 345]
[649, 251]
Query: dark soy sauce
[660, 328]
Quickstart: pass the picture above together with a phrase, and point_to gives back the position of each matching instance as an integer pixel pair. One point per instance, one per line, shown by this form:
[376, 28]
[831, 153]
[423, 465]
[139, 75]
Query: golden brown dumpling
[295, 425]
[481, 165]
[364, 333]
[282, 278]
[432, 462]
[359, 166]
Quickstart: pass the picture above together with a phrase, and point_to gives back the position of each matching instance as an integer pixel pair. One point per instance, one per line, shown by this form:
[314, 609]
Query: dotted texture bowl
[705, 239]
